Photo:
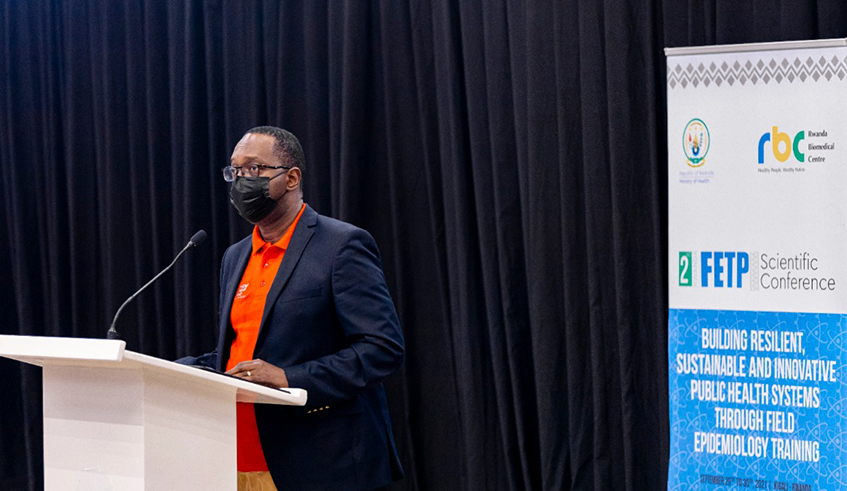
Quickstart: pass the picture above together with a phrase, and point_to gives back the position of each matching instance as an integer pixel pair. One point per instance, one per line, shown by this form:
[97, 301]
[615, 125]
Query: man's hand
[260, 372]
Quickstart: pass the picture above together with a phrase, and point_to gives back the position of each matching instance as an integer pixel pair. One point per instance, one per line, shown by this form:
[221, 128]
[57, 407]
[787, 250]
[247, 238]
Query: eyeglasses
[252, 170]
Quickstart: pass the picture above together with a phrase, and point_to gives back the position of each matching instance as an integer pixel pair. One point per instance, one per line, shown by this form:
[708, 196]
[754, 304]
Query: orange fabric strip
[246, 317]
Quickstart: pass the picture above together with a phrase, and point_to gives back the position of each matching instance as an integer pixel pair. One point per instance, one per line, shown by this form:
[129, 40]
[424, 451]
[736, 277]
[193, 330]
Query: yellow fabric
[255, 481]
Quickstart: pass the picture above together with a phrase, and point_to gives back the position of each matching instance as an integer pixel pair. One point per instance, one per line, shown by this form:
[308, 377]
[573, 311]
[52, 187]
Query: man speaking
[304, 304]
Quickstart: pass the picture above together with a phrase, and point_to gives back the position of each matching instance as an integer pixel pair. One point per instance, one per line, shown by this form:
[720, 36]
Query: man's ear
[294, 176]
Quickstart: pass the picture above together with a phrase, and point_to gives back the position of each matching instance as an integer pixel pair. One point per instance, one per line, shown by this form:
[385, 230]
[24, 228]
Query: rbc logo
[717, 269]
[782, 146]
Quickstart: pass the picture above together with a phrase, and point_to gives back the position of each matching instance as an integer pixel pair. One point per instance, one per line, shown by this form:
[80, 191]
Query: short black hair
[287, 146]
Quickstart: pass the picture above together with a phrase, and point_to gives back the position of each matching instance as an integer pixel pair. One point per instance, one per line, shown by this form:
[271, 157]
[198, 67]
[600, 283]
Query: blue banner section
[757, 400]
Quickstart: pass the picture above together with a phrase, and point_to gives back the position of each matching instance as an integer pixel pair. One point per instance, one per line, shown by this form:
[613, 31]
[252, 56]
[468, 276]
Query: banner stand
[757, 285]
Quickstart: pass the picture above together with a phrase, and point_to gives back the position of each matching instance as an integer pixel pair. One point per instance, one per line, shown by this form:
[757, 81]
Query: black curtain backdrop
[509, 157]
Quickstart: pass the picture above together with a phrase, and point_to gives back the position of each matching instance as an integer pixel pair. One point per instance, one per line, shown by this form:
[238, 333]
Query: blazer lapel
[301, 237]
[230, 287]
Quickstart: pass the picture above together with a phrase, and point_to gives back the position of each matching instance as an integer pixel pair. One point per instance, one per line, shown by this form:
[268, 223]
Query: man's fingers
[243, 367]
[237, 369]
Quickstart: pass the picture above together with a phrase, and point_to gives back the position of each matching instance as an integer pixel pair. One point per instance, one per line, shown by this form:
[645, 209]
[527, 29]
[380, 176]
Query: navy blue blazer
[329, 321]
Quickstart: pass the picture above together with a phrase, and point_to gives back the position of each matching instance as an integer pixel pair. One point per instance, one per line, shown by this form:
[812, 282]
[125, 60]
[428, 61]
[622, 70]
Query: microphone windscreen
[198, 238]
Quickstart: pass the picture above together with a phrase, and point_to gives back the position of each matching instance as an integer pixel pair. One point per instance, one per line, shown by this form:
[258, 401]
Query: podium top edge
[247, 391]
[741, 48]
[112, 354]
[37, 349]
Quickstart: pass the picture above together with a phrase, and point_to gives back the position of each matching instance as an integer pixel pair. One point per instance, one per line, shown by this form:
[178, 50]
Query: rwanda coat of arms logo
[695, 142]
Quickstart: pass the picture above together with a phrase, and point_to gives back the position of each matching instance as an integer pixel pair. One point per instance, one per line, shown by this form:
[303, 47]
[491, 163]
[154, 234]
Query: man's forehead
[255, 145]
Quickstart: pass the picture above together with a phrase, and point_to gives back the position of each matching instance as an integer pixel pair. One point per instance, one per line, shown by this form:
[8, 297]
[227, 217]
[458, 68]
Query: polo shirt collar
[259, 243]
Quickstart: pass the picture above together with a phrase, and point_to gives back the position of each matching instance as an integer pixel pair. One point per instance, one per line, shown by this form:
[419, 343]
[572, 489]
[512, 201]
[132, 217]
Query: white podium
[121, 421]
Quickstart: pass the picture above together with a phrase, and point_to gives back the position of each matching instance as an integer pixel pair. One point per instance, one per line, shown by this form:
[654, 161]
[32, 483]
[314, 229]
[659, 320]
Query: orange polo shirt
[246, 317]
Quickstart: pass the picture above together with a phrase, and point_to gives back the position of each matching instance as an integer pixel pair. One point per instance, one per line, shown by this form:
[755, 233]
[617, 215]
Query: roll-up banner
[757, 214]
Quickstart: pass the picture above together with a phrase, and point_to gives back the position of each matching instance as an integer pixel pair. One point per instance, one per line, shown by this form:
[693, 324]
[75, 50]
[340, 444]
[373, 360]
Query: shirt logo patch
[241, 290]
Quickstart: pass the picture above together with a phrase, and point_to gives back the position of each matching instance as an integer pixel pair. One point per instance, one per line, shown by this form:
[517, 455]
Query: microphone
[195, 241]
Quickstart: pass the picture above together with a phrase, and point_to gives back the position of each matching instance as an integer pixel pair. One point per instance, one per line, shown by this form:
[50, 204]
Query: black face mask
[251, 196]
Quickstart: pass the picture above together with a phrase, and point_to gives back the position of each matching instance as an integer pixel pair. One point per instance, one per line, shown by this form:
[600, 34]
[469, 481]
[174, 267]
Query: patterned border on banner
[763, 71]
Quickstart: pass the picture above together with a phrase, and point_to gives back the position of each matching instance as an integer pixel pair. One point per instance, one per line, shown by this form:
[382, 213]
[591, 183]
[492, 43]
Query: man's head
[287, 147]
[272, 157]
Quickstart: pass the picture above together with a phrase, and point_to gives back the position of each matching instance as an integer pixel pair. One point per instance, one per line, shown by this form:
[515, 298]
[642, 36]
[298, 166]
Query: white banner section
[757, 136]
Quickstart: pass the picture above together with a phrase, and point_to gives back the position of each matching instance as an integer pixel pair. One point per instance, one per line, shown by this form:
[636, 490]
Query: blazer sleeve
[209, 360]
[368, 321]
